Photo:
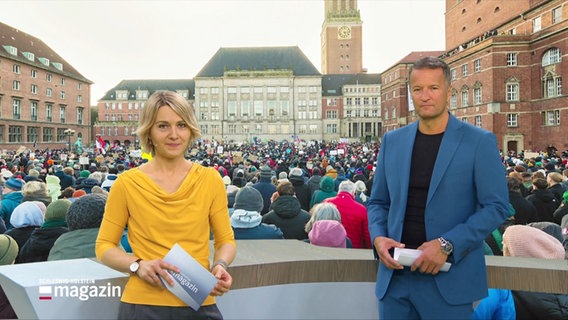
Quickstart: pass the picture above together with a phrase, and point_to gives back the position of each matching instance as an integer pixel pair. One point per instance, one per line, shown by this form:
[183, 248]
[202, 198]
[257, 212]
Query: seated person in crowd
[286, 212]
[246, 219]
[84, 218]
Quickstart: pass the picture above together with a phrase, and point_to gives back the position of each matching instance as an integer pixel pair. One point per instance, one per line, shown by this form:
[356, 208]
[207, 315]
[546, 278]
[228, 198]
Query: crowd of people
[53, 203]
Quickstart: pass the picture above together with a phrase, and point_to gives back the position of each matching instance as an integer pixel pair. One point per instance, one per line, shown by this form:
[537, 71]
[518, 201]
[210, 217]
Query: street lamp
[69, 133]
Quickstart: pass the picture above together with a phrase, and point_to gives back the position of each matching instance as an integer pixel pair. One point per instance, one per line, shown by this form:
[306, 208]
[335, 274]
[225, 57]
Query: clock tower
[341, 38]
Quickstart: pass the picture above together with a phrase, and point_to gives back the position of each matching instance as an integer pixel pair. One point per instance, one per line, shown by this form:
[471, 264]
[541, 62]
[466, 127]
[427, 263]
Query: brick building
[507, 69]
[119, 110]
[44, 101]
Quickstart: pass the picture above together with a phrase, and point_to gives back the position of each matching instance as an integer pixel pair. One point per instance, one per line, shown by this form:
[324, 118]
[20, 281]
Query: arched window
[464, 96]
[454, 99]
[552, 85]
[551, 56]
[512, 89]
[477, 93]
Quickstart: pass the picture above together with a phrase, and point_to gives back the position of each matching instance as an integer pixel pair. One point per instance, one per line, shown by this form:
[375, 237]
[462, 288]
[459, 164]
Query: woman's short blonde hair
[148, 116]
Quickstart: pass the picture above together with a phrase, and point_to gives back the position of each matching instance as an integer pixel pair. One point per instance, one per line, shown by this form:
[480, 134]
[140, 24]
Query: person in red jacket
[353, 215]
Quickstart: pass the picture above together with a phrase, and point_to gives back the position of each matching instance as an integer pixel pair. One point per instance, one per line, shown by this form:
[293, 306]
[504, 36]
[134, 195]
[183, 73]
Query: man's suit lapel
[448, 148]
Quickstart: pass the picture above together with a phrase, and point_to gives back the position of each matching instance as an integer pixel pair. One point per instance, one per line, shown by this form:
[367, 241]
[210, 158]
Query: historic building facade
[44, 101]
[507, 68]
[119, 110]
[341, 38]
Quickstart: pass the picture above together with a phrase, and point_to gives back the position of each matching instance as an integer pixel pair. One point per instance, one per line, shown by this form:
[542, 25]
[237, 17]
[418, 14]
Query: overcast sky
[110, 41]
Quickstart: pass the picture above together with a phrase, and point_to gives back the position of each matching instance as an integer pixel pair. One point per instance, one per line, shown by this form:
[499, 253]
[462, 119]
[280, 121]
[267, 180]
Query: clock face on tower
[344, 32]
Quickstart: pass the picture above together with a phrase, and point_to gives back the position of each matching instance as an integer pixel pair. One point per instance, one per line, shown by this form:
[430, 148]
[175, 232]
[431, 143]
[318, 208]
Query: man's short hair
[430, 62]
[285, 188]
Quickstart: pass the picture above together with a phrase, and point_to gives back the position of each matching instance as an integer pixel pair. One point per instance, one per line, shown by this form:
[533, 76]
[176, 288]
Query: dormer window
[30, 56]
[121, 95]
[11, 50]
[44, 61]
[58, 66]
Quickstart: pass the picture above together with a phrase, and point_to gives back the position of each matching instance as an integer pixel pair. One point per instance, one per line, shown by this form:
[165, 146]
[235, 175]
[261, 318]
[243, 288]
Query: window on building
[454, 74]
[16, 69]
[79, 115]
[284, 107]
[48, 77]
[62, 94]
[258, 108]
[33, 110]
[477, 65]
[34, 73]
[511, 59]
[16, 109]
[49, 112]
[478, 121]
[15, 133]
[62, 113]
[454, 99]
[49, 92]
[34, 89]
[537, 24]
[232, 108]
[512, 120]
[32, 134]
[551, 56]
[245, 108]
[551, 118]
[512, 92]
[62, 82]
[556, 14]
[331, 114]
[232, 129]
[464, 70]
[47, 135]
[16, 85]
[465, 96]
[477, 95]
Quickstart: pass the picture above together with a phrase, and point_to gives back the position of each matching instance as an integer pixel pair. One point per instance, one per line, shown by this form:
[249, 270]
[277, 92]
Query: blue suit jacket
[467, 200]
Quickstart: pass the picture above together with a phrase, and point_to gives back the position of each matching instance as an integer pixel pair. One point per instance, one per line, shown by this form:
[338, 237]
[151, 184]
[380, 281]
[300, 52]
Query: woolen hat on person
[265, 172]
[57, 168]
[249, 199]
[57, 210]
[296, 172]
[79, 193]
[6, 174]
[550, 228]
[328, 233]
[530, 242]
[8, 250]
[15, 184]
[85, 174]
[86, 212]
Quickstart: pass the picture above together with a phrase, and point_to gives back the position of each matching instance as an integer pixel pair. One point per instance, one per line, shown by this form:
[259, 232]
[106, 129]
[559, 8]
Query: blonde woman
[166, 201]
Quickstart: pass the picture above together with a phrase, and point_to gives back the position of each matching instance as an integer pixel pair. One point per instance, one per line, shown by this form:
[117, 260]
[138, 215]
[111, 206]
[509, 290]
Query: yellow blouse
[157, 220]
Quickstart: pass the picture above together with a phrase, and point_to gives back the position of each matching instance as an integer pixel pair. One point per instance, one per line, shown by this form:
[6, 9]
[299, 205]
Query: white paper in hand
[406, 257]
[193, 283]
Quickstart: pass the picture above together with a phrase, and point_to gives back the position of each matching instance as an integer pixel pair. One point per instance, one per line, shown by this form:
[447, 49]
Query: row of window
[16, 86]
[551, 56]
[17, 69]
[17, 111]
[114, 131]
[34, 134]
[357, 101]
[552, 87]
[118, 105]
[119, 117]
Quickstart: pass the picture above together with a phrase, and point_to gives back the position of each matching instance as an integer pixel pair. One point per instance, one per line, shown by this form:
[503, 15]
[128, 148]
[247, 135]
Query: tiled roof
[415, 55]
[151, 86]
[23, 42]
[258, 59]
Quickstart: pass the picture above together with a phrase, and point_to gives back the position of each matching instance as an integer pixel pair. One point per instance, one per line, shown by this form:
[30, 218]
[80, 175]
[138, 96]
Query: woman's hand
[151, 271]
[224, 281]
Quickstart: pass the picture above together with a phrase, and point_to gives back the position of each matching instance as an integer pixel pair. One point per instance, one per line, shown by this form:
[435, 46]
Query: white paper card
[193, 283]
[406, 257]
